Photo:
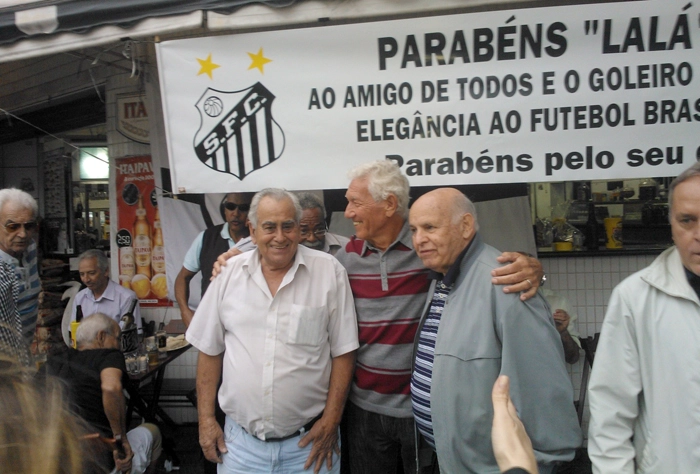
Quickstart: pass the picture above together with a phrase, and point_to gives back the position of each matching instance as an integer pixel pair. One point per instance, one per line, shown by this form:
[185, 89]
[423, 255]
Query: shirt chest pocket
[308, 325]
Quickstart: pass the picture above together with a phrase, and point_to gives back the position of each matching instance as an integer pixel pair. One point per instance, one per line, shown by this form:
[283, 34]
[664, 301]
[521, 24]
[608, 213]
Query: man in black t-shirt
[95, 375]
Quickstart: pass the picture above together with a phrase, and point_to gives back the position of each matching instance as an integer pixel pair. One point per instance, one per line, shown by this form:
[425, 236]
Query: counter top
[548, 252]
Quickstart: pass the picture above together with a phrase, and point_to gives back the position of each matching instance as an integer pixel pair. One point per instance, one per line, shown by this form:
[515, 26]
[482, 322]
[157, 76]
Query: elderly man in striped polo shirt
[18, 213]
[390, 283]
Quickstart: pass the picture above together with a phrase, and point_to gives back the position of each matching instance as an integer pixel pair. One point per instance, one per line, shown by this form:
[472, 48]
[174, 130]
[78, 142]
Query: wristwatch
[543, 280]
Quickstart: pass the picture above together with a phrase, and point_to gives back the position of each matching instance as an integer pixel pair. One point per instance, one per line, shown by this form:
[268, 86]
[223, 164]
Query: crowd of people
[412, 346]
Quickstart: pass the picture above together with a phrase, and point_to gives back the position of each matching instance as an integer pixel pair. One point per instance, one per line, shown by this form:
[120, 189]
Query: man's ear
[468, 230]
[100, 339]
[392, 204]
[251, 229]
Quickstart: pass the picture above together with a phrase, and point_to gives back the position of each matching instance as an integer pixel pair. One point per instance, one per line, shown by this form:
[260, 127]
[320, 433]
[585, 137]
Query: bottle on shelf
[592, 232]
[75, 324]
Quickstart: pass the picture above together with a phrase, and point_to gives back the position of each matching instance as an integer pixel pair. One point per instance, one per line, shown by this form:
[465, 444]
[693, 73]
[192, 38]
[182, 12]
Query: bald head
[443, 223]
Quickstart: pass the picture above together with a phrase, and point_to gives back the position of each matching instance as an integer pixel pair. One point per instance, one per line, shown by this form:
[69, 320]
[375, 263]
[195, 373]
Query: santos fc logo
[238, 134]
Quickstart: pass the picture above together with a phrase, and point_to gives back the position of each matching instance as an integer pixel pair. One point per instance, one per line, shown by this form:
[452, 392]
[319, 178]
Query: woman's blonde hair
[38, 432]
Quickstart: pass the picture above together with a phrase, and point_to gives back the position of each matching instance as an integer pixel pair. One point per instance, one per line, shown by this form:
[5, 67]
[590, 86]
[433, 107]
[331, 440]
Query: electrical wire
[17, 117]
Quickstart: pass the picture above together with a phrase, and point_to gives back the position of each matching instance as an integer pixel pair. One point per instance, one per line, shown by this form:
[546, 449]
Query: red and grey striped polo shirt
[390, 291]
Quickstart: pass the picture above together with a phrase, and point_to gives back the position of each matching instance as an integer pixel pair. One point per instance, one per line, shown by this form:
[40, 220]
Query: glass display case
[599, 217]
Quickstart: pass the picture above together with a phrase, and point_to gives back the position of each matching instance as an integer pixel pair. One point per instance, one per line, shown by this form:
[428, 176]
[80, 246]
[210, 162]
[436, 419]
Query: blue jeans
[378, 443]
[248, 454]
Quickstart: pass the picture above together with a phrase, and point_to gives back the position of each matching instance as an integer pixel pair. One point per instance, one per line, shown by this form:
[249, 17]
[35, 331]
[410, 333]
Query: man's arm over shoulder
[523, 274]
[532, 356]
[613, 391]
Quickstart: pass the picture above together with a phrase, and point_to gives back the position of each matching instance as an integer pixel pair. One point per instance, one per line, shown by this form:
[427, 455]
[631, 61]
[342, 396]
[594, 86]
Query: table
[149, 408]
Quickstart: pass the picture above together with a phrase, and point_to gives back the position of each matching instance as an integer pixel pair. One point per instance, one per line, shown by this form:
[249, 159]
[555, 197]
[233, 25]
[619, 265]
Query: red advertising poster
[139, 234]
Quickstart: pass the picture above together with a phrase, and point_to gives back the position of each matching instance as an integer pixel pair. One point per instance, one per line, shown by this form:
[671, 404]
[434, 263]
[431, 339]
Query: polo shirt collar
[225, 233]
[404, 239]
[12, 260]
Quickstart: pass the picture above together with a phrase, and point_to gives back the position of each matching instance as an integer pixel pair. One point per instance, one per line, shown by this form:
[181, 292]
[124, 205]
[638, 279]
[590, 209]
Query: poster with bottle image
[139, 234]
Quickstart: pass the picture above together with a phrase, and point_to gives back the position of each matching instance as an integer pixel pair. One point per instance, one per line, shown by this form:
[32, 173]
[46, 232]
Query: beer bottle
[129, 338]
[158, 255]
[592, 232]
[142, 241]
[127, 320]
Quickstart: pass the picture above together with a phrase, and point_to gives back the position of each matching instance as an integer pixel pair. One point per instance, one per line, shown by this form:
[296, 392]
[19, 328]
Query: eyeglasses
[232, 206]
[318, 231]
[15, 226]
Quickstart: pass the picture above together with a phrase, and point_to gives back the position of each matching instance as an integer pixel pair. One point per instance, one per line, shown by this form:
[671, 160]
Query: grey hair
[91, 326]
[278, 194]
[684, 176]
[311, 201]
[384, 177]
[463, 205]
[99, 255]
[20, 198]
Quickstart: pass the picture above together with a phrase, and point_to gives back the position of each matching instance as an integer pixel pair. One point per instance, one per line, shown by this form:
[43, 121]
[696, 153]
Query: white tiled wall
[588, 282]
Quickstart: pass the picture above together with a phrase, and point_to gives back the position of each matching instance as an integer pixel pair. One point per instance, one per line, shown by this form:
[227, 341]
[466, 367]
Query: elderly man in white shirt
[280, 324]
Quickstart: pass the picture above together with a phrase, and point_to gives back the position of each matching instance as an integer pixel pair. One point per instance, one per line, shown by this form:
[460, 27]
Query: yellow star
[206, 66]
[258, 61]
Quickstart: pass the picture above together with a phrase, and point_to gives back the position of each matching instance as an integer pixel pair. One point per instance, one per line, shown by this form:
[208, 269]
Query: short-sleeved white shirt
[277, 361]
[114, 302]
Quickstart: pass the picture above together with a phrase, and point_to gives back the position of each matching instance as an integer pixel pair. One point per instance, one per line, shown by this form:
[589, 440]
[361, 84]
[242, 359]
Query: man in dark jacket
[470, 333]
[208, 245]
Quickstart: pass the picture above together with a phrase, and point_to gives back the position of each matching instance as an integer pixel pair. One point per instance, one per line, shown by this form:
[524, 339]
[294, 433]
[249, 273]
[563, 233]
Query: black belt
[301, 430]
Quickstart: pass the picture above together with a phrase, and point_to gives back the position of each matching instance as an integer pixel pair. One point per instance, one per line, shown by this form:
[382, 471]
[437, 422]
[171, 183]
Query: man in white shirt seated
[102, 295]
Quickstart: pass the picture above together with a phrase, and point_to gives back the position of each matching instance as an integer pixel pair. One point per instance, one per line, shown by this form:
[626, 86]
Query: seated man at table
[102, 295]
[95, 374]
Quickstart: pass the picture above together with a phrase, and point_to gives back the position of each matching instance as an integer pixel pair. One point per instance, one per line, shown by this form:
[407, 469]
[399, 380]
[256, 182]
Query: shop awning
[34, 28]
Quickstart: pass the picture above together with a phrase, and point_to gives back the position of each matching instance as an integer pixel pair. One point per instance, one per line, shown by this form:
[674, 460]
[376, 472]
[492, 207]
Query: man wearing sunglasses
[18, 213]
[209, 244]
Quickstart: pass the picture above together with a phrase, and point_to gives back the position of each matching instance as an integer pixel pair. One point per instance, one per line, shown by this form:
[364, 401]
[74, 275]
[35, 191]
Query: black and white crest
[238, 134]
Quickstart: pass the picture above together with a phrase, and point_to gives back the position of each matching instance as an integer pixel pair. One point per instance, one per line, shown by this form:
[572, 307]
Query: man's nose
[279, 233]
[311, 237]
[348, 212]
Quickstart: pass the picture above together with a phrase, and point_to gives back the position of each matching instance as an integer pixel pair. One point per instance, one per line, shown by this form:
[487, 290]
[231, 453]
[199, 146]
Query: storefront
[592, 105]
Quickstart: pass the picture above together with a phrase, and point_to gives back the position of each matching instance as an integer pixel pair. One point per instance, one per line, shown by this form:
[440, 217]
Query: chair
[73, 288]
[589, 345]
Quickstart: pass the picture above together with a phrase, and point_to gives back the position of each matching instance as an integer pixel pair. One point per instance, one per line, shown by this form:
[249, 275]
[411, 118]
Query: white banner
[602, 91]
